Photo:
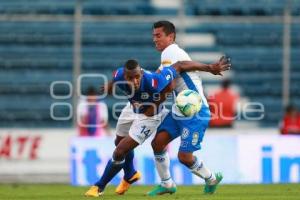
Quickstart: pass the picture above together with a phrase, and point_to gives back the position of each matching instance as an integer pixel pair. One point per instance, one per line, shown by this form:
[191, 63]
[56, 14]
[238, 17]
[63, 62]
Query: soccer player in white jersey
[191, 130]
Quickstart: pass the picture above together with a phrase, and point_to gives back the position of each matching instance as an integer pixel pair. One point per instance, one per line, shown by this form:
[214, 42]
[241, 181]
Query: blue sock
[111, 169]
[128, 167]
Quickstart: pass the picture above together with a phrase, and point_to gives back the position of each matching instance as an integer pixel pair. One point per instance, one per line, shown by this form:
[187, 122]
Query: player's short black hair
[168, 27]
[131, 64]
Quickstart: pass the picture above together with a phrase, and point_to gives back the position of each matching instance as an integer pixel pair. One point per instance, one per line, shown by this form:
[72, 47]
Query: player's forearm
[165, 92]
[162, 97]
[107, 88]
[187, 66]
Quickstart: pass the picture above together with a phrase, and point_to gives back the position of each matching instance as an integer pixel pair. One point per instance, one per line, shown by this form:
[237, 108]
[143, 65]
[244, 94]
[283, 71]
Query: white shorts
[138, 126]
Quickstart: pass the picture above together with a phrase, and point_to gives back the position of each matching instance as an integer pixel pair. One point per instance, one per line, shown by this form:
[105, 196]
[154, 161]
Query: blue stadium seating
[37, 6]
[34, 54]
[90, 7]
[240, 7]
[257, 58]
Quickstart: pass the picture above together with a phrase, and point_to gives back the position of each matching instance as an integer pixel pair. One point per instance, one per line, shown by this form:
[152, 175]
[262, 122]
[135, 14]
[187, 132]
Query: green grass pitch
[224, 192]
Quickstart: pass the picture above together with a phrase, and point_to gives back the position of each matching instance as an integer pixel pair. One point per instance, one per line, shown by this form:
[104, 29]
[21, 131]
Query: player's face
[133, 77]
[161, 40]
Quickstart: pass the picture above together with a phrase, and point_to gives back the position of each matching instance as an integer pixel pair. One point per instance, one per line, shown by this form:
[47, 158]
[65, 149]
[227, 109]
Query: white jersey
[186, 80]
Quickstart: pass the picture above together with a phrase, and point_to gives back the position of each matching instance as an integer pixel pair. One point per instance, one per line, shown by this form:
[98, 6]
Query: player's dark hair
[168, 27]
[131, 64]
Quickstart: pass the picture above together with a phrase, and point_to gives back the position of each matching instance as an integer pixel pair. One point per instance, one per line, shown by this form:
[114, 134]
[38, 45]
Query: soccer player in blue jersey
[143, 115]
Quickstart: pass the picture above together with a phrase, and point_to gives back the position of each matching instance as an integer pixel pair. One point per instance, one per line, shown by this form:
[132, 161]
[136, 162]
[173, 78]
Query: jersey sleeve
[118, 75]
[167, 59]
[163, 78]
[171, 56]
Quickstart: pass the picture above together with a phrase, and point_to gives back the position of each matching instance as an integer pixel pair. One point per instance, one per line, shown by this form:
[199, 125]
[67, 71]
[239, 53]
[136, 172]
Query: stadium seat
[34, 54]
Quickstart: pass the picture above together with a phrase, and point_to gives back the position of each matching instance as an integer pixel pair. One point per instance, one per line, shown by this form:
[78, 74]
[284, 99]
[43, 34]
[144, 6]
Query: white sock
[200, 170]
[162, 162]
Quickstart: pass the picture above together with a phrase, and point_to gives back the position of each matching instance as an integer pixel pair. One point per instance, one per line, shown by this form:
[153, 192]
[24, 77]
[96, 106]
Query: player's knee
[119, 154]
[185, 160]
[157, 146]
[154, 145]
[118, 140]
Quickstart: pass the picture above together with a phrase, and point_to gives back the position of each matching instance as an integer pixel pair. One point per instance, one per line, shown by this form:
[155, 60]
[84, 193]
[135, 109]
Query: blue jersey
[150, 87]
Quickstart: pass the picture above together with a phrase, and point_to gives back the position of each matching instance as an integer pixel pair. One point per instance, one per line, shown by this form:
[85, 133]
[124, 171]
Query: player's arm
[215, 68]
[150, 111]
[107, 88]
[163, 78]
[162, 83]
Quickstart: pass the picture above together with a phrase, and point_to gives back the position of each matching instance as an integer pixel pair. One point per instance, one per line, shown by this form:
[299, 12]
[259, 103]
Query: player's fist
[101, 90]
[106, 89]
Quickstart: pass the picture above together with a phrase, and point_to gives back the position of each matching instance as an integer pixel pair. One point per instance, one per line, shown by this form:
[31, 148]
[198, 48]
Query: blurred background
[52, 51]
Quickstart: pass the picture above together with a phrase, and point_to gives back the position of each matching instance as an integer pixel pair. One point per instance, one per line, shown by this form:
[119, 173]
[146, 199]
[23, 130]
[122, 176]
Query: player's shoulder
[173, 48]
[150, 79]
[174, 53]
[118, 73]
[147, 74]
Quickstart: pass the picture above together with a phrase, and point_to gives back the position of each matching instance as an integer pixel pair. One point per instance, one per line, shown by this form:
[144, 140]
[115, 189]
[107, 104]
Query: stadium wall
[35, 155]
[244, 156]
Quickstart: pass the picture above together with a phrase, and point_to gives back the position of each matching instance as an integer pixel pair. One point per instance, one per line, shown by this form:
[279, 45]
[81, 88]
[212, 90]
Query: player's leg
[201, 170]
[111, 169]
[193, 131]
[196, 167]
[142, 128]
[122, 130]
[115, 164]
[125, 121]
[130, 174]
[162, 160]
[97, 189]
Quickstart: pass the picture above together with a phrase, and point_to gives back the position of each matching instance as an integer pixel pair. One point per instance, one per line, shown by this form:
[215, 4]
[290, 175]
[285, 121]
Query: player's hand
[223, 64]
[104, 89]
